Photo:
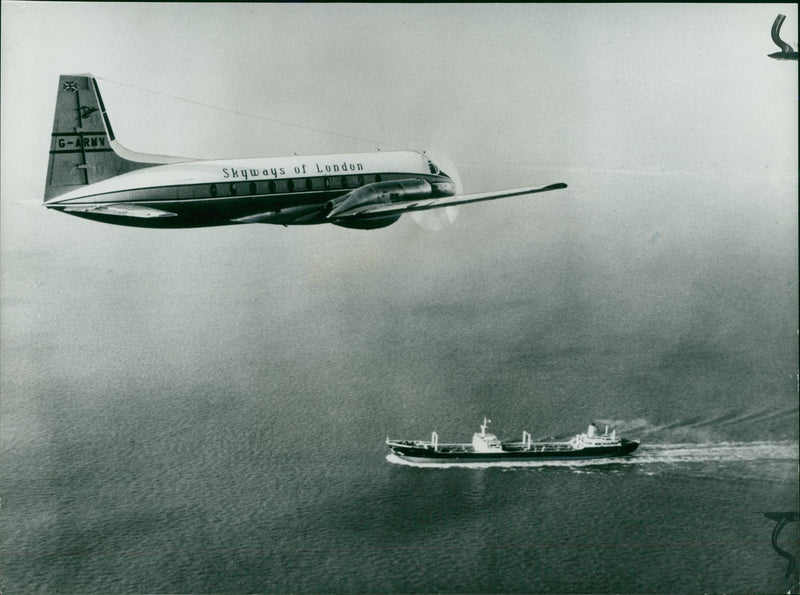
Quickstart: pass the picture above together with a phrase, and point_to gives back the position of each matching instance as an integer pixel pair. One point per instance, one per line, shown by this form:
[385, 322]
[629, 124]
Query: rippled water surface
[205, 411]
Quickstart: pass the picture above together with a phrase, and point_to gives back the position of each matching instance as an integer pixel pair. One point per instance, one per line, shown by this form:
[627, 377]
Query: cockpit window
[432, 166]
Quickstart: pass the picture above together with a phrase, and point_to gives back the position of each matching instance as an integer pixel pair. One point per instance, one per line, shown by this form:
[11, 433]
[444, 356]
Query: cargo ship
[486, 448]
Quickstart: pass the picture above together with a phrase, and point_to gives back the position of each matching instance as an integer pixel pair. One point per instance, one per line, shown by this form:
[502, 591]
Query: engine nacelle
[379, 193]
[371, 223]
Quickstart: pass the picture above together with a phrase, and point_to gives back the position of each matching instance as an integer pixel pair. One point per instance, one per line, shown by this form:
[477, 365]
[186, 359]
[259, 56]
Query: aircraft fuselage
[286, 191]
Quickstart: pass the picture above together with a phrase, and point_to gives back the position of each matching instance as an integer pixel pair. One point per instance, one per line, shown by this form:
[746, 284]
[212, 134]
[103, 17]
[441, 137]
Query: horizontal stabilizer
[121, 210]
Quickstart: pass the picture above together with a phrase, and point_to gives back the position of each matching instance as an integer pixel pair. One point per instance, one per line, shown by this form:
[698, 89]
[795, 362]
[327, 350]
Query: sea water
[205, 411]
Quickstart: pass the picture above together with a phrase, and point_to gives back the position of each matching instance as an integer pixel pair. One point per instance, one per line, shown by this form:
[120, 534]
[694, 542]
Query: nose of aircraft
[447, 170]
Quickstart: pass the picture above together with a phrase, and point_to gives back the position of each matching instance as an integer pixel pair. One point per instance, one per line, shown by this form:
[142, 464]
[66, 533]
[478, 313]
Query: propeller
[439, 219]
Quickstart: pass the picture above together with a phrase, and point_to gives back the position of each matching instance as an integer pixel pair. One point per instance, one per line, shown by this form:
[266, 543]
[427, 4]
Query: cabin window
[213, 189]
[234, 190]
[309, 184]
[344, 181]
[272, 186]
[378, 178]
[290, 185]
[253, 188]
[327, 183]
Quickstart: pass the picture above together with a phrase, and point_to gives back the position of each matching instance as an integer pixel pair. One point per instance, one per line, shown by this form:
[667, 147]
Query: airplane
[91, 175]
[786, 53]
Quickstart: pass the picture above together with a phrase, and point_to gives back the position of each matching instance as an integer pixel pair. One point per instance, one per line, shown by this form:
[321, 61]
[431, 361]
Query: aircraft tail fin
[83, 149]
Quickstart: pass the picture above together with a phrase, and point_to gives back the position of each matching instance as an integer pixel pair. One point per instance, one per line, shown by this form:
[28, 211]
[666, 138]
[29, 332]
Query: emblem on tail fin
[87, 111]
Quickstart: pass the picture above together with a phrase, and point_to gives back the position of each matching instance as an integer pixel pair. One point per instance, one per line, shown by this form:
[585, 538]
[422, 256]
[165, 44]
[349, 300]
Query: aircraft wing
[365, 211]
[122, 210]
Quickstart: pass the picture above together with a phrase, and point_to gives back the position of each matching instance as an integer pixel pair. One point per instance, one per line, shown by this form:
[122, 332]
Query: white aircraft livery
[91, 175]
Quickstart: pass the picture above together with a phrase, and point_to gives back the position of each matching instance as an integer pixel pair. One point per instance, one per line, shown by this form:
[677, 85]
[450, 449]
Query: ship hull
[447, 454]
